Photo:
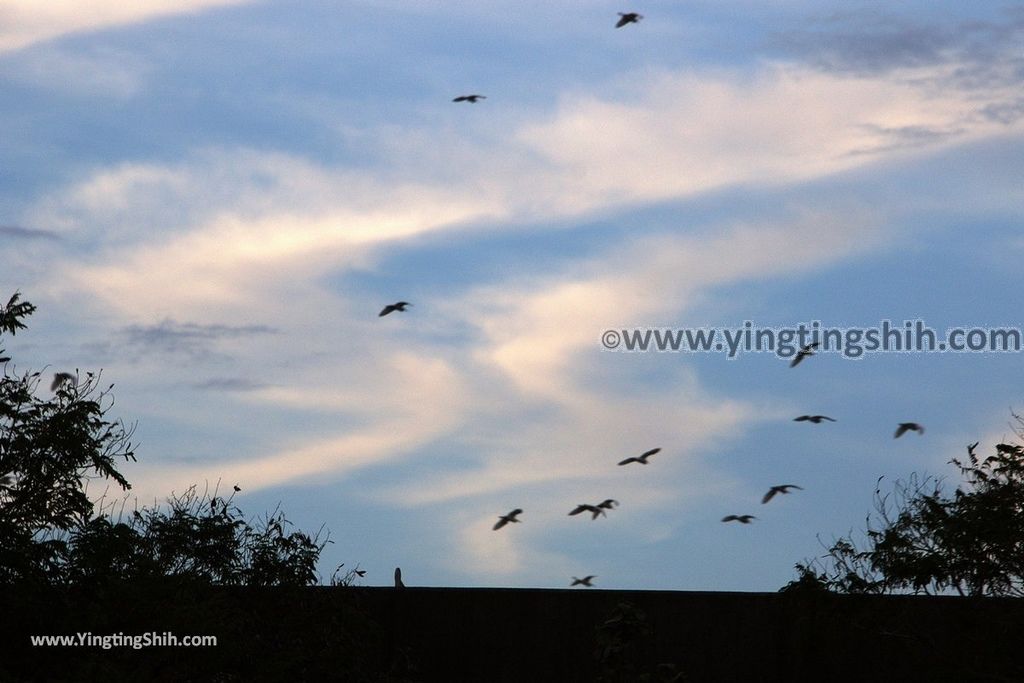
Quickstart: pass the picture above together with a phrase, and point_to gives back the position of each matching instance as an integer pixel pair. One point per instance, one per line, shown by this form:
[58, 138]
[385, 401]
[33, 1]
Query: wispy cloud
[675, 135]
[229, 384]
[169, 336]
[869, 42]
[26, 22]
[15, 232]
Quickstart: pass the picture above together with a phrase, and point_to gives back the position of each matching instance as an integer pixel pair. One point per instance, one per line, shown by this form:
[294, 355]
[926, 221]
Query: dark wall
[497, 635]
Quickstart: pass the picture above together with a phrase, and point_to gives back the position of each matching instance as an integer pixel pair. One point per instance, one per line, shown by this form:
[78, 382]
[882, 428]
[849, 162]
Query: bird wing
[900, 431]
[796, 359]
[729, 518]
[650, 453]
[802, 418]
[502, 521]
[622, 21]
[629, 460]
[387, 309]
[771, 494]
[578, 510]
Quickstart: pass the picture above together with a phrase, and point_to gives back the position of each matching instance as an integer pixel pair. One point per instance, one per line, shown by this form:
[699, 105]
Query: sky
[210, 201]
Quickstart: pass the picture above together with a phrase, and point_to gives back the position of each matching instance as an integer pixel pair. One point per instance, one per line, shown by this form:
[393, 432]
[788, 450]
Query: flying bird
[59, 378]
[505, 519]
[585, 581]
[816, 419]
[594, 510]
[908, 427]
[359, 572]
[803, 353]
[971, 447]
[781, 488]
[608, 504]
[628, 18]
[742, 519]
[237, 488]
[390, 308]
[472, 99]
[642, 459]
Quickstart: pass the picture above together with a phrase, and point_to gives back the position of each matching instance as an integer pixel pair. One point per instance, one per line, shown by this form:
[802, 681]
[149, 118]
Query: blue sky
[211, 200]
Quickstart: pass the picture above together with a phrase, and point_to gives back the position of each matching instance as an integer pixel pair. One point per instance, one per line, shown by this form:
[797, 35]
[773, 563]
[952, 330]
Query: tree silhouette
[923, 541]
[53, 533]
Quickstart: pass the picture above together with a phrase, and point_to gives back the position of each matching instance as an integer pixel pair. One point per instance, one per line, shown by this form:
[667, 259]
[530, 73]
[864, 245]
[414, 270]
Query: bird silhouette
[585, 581]
[359, 572]
[908, 427]
[505, 519]
[816, 419]
[390, 308]
[742, 519]
[971, 447]
[608, 504]
[803, 353]
[594, 510]
[781, 488]
[642, 458]
[472, 99]
[628, 18]
[398, 578]
[59, 378]
[237, 488]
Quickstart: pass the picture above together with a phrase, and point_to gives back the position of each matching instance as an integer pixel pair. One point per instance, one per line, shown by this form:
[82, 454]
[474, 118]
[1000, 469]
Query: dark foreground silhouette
[447, 634]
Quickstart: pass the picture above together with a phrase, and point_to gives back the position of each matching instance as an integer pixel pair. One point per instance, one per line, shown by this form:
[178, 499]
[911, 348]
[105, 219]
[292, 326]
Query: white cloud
[667, 136]
[678, 134]
[24, 22]
[263, 229]
[430, 403]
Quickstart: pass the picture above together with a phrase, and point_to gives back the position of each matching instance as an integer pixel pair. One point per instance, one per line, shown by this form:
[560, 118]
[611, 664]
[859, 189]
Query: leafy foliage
[922, 541]
[53, 533]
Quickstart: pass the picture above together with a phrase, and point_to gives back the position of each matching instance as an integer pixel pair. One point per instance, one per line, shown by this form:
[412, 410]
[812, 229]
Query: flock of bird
[600, 509]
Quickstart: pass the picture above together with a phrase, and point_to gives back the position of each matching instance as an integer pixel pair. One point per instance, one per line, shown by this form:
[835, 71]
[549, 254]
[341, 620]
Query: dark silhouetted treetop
[53, 532]
[921, 540]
